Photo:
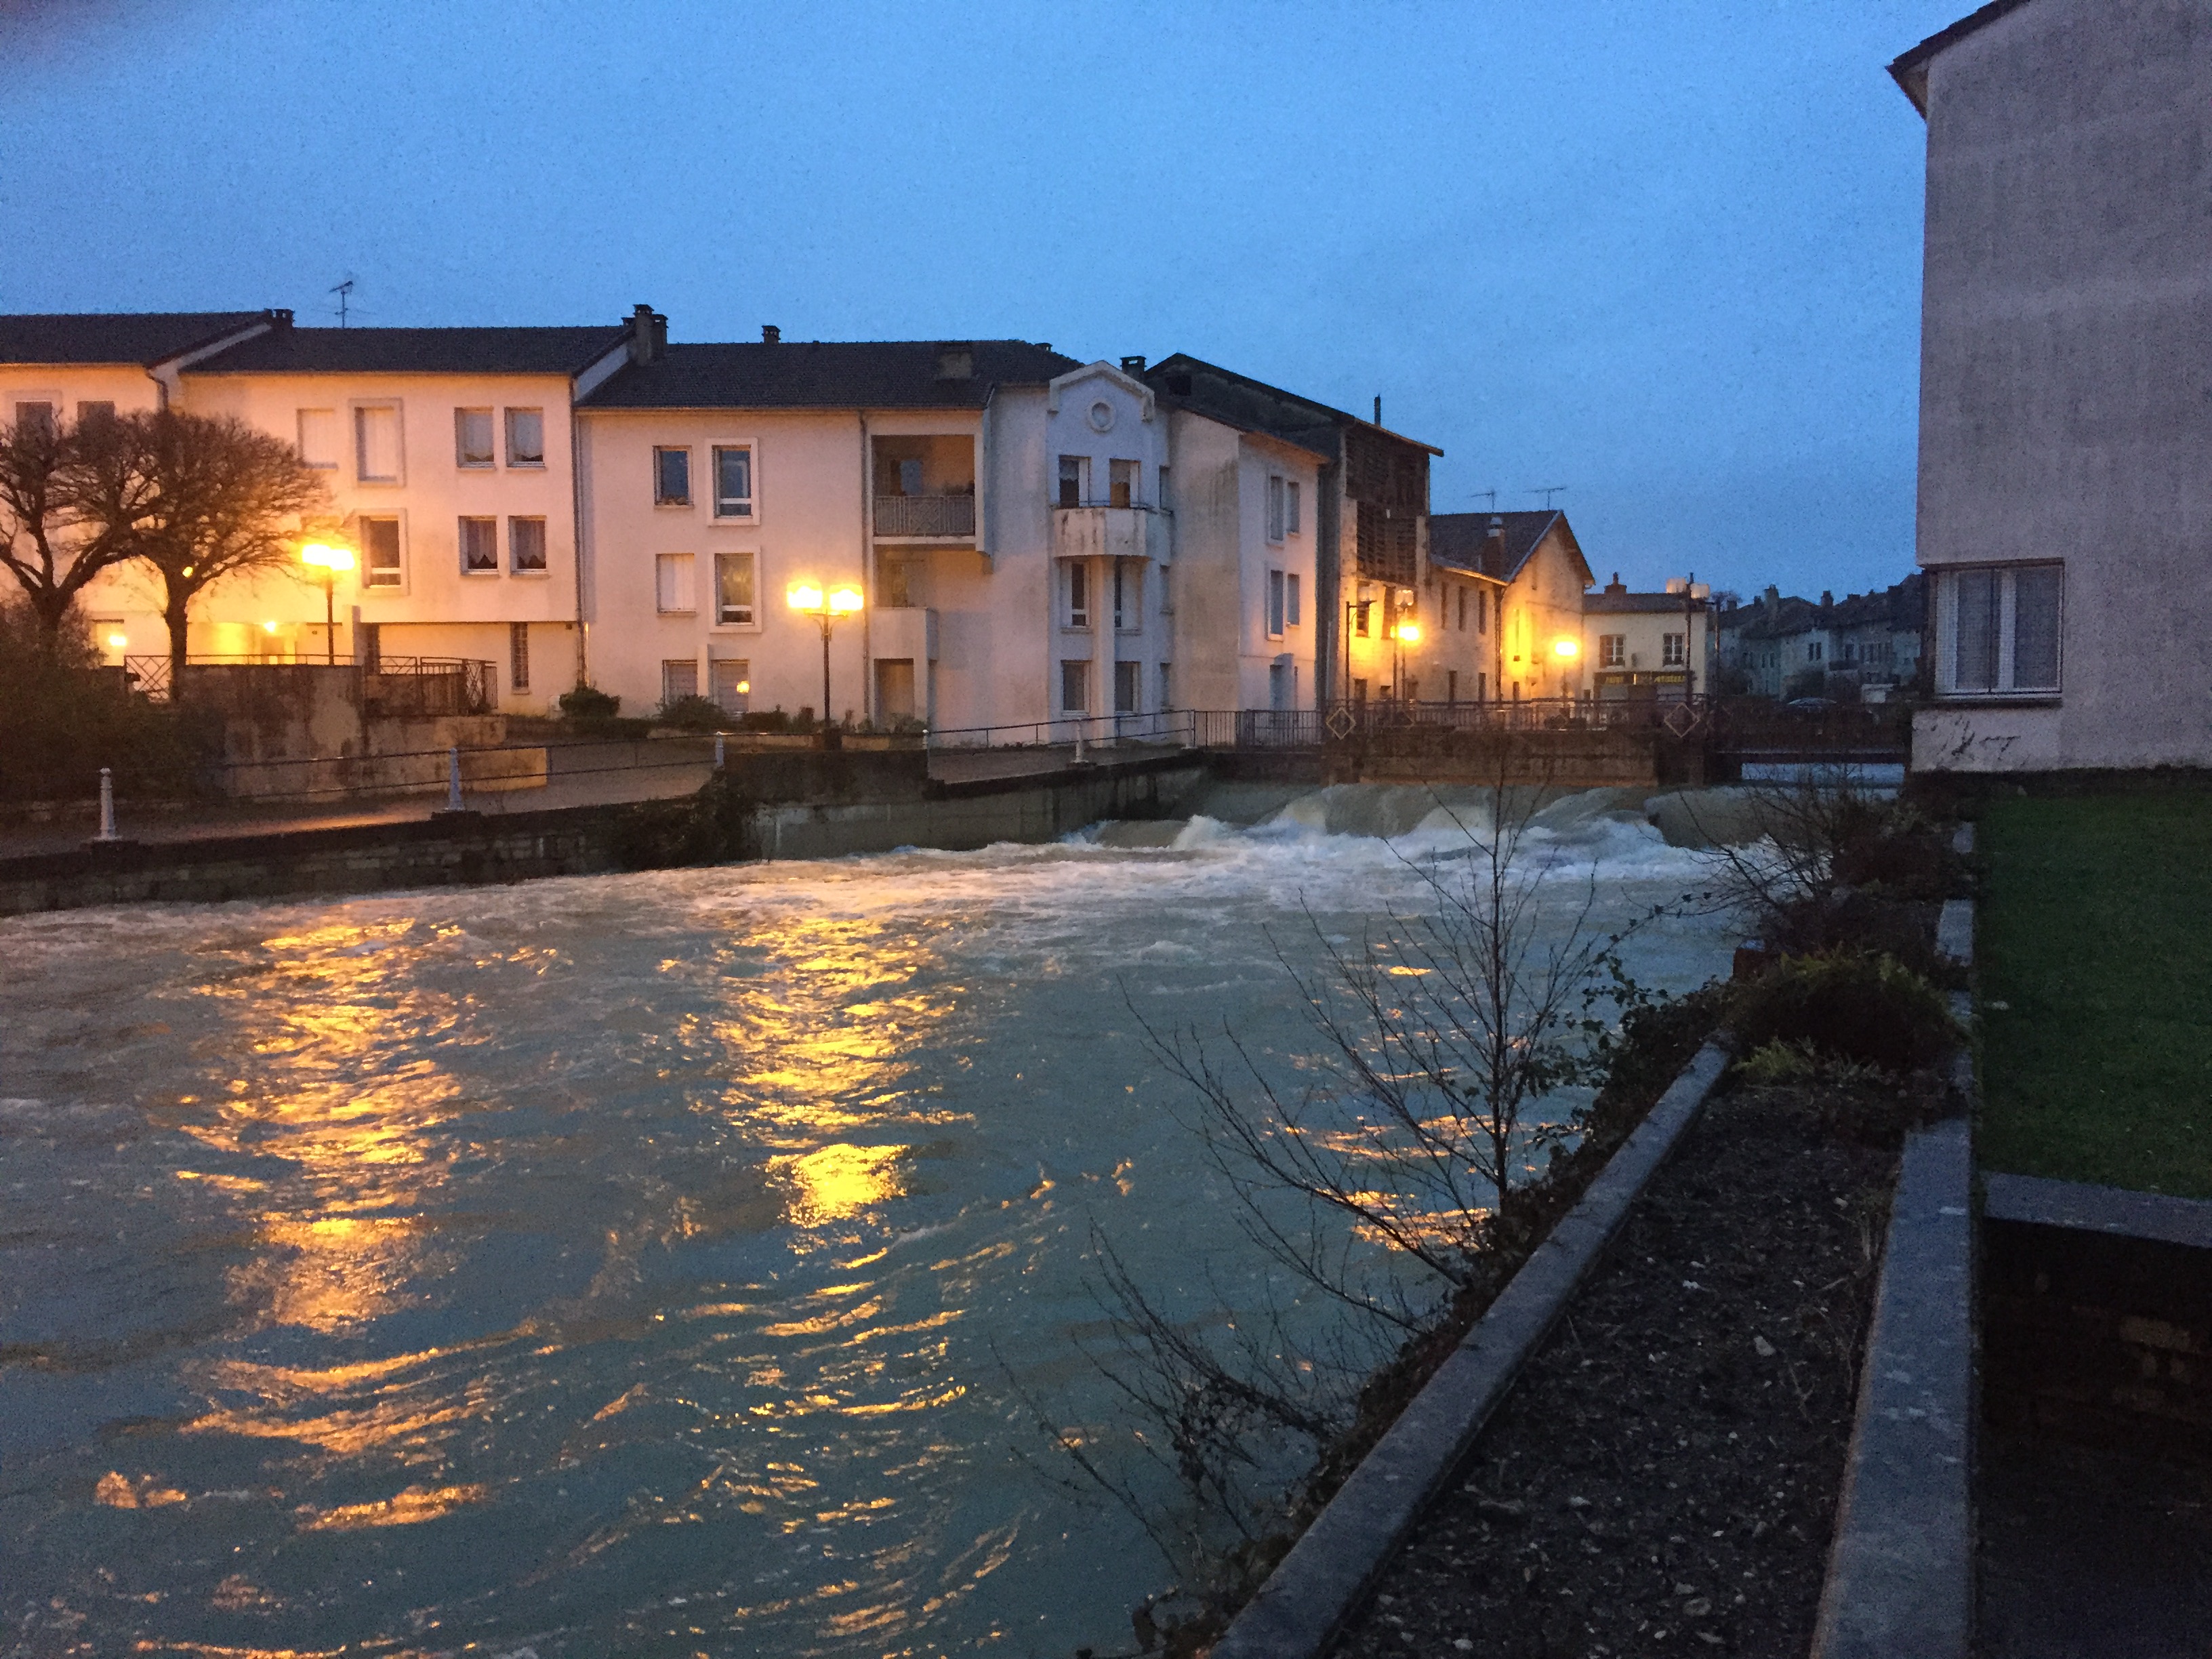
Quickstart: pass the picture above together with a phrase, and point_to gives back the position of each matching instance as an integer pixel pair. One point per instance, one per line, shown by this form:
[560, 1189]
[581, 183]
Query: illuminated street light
[809, 600]
[330, 559]
[1566, 650]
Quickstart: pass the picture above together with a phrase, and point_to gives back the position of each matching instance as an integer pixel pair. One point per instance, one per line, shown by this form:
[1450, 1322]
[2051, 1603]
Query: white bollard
[454, 778]
[1079, 742]
[107, 806]
[718, 751]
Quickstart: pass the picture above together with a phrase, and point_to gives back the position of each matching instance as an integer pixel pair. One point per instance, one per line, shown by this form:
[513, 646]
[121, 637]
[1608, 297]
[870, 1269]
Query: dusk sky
[1668, 256]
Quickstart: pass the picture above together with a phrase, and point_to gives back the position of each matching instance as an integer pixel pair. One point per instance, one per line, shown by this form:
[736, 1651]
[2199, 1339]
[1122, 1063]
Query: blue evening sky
[1667, 255]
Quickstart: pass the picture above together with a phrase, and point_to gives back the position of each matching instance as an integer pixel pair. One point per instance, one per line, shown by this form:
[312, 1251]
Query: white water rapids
[624, 1265]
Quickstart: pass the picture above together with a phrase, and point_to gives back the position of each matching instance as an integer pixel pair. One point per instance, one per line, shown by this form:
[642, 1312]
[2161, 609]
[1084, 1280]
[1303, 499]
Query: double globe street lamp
[809, 599]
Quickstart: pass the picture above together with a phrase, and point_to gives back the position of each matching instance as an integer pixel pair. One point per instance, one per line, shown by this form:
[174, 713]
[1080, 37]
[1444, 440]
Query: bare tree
[71, 502]
[225, 500]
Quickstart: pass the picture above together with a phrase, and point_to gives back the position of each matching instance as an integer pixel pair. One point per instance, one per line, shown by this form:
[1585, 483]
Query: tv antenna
[1491, 496]
[345, 291]
[1547, 491]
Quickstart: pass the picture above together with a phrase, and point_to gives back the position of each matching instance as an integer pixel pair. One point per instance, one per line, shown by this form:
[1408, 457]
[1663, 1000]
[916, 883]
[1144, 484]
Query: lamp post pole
[331, 618]
[825, 608]
[826, 626]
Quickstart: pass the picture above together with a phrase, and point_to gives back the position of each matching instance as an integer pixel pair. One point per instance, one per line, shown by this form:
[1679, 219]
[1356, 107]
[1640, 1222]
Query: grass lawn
[2095, 951]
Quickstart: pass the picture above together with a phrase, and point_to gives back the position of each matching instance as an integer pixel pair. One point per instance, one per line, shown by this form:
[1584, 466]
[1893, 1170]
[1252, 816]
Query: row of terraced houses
[1034, 537]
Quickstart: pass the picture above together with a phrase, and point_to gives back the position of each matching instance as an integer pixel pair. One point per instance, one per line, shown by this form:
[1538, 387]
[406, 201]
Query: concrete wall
[2066, 410]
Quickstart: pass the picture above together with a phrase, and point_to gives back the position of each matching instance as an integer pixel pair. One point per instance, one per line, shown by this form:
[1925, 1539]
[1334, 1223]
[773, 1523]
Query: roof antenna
[1480, 495]
[345, 291]
[1547, 491]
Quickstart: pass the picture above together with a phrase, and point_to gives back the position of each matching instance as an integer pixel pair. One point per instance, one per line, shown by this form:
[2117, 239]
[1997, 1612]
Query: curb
[1327, 1572]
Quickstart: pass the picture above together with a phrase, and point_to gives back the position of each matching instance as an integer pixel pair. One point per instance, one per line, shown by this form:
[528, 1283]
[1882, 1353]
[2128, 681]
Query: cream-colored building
[1502, 595]
[1649, 645]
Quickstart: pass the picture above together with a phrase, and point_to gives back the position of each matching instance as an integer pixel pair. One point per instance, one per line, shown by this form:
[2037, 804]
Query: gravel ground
[1663, 1477]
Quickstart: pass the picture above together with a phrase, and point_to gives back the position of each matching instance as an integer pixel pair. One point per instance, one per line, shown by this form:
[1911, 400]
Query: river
[635, 1264]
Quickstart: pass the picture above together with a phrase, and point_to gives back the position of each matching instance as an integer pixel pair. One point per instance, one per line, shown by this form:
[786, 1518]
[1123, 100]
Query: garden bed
[1668, 1468]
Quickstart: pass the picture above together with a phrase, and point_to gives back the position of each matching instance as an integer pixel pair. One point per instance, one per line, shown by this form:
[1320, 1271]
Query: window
[671, 477]
[1074, 683]
[1612, 651]
[1282, 686]
[1674, 650]
[89, 413]
[1167, 501]
[895, 571]
[1275, 600]
[518, 656]
[672, 583]
[1078, 595]
[1481, 611]
[1359, 690]
[472, 438]
[1167, 681]
[733, 482]
[732, 684]
[1812, 651]
[1451, 685]
[319, 437]
[1274, 507]
[526, 437]
[1127, 678]
[376, 443]
[1129, 595]
[895, 699]
[1072, 469]
[380, 547]
[526, 546]
[34, 415]
[1362, 611]
[734, 590]
[1290, 507]
[1290, 606]
[679, 679]
[1997, 629]
[1121, 484]
[480, 547]
[1463, 611]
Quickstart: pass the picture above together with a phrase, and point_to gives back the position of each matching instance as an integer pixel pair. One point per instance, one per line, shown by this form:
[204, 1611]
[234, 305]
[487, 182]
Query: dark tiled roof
[1639, 605]
[1183, 381]
[140, 337]
[414, 351]
[1460, 541]
[1901, 608]
[1910, 71]
[827, 374]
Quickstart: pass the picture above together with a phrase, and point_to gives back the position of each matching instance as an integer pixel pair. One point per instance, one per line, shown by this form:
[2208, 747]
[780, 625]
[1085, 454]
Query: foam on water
[638, 1264]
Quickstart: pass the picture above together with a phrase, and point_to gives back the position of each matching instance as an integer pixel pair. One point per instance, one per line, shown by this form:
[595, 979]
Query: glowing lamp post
[810, 600]
[1407, 632]
[1565, 650]
[330, 561]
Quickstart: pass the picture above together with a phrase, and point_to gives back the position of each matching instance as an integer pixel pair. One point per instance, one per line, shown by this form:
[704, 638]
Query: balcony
[903, 631]
[1095, 531]
[926, 516]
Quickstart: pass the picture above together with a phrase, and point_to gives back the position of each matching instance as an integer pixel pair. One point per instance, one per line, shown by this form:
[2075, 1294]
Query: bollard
[718, 751]
[1079, 742]
[454, 778]
[107, 806]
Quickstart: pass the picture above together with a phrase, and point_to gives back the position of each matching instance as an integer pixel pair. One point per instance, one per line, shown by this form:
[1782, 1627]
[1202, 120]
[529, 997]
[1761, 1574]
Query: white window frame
[505, 437]
[460, 548]
[682, 588]
[1293, 600]
[1076, 615]
[490, 461]
[714, 450]
[667, 663]
[690, 479]
[544, 545]
[1275, 483]
[1080, 678]
[336, 439]
[1674, 650]
[2007, 687]
[1129, 578]
[356, 408]
[1274, 602]
[752, 624]
[358, 530]
[1612, 651]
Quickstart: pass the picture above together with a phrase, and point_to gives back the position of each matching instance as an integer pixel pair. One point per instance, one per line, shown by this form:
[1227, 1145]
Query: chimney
[1134, 365]
[771, 335]
[1773, 600]
[1828, 600]
[648, 335]
[1378, 409]
[1616, 585]
[280, 319]
[1493, 547]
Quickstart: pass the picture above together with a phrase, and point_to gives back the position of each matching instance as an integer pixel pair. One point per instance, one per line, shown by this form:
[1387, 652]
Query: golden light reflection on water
[840, 1180]
[403, 1509]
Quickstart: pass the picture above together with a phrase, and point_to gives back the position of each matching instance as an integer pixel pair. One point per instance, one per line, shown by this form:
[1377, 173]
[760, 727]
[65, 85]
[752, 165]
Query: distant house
[1865, 646]
[1655, 645]
[2064, 419]
[1521, 577]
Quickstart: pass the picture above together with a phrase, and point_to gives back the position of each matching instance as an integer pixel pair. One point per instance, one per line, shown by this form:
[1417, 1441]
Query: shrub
[691, 713]
[63, 717]
[1846, 1006]
[588, 702]
[764, 719]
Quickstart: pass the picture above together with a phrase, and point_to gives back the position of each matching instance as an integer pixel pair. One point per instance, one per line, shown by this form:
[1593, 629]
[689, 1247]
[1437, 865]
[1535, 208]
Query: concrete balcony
[1108, 532]
[926, 517]
[908, 632]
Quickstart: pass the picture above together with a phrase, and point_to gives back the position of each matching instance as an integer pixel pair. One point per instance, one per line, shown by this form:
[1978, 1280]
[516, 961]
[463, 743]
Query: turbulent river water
[638, 1264]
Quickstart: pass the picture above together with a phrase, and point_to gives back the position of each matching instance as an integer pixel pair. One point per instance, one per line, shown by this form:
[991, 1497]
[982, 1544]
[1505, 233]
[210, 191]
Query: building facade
[1522, 576]
[1657, 647]
[2067, 297]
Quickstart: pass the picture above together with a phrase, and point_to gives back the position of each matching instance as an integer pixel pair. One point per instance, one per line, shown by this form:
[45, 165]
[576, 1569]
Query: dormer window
[955, 363]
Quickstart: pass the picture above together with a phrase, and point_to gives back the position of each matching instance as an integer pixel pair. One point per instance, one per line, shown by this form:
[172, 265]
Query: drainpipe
[867, 573]
[576, 507]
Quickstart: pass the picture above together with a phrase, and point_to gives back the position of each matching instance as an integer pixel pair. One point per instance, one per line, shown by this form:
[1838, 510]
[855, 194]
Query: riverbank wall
[796, 805]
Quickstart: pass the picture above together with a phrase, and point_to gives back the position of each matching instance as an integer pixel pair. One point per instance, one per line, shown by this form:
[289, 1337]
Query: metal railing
[392, 687]
[1163, 726]
[925, 515]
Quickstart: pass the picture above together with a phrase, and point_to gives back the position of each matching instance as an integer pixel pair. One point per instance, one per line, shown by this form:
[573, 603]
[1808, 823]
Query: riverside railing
[412, 687]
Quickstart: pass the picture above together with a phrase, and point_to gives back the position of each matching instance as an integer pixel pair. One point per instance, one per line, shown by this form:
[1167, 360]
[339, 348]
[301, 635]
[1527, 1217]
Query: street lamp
[809, 600]
[1407, 632]
[328, 559]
